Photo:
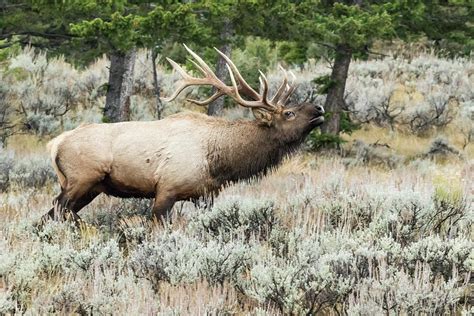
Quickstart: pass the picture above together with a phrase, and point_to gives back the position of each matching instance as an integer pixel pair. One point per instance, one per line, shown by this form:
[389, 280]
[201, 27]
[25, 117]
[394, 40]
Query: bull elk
[184, 156]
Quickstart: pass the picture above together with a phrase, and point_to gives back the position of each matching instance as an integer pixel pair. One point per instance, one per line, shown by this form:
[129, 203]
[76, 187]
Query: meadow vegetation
[383, 226]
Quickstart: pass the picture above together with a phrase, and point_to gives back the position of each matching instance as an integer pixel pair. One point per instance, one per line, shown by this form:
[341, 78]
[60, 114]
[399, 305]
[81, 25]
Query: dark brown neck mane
[242, 150]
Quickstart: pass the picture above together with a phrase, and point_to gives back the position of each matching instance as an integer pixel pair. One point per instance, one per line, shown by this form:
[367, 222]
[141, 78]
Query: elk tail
[53, 147]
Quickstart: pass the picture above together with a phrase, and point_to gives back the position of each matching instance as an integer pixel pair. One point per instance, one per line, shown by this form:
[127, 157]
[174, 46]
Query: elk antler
[239, 85]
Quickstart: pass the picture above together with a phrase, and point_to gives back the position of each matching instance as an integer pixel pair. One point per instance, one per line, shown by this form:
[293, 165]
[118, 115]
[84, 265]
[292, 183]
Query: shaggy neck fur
[244, 149]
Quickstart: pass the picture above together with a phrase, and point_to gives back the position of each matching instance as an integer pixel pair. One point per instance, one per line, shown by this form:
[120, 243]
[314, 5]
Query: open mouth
[317, 120]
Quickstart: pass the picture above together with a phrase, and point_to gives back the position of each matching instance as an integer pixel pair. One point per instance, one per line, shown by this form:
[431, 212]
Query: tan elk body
[184, 156]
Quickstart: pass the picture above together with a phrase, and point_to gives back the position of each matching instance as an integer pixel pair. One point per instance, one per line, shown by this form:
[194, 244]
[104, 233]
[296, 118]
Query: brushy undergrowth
[341, 239]
[33, 171]
[422, 95]
[378, 232]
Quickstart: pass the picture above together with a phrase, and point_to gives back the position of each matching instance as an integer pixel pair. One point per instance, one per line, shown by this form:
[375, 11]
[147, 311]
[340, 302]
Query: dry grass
[25, 144]
[407, 144]
[298, 188]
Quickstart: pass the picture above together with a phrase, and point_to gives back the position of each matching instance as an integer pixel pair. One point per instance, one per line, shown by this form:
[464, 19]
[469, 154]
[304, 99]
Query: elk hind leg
[57, 212]
[70, 201]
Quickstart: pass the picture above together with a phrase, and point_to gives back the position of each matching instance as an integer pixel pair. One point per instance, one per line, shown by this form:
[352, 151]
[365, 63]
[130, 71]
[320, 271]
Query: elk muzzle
[318, 117]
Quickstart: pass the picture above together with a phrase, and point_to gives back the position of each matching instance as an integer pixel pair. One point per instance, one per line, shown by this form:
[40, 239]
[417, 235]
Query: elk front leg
[163, 204]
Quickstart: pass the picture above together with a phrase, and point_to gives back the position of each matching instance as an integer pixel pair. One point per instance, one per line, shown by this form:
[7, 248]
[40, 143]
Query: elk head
[291, 122]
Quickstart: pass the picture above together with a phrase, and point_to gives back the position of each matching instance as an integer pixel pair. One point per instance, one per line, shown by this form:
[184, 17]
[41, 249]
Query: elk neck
[244, 149]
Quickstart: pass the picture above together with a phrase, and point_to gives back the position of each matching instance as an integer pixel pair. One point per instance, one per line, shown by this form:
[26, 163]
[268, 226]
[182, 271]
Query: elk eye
[289, 115]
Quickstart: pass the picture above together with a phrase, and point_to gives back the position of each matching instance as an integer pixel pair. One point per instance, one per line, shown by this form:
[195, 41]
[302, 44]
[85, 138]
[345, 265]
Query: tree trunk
[216, 107]
[335, 97]
[156, 85]
[120, 87]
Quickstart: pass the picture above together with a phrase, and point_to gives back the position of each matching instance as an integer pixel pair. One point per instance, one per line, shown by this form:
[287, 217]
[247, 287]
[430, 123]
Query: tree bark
[216, 107]
[120, 87]
[335, 97]
[156, 85]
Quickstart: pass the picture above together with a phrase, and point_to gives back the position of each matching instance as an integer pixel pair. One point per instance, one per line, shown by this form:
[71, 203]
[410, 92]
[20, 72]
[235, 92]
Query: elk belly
[132, 172]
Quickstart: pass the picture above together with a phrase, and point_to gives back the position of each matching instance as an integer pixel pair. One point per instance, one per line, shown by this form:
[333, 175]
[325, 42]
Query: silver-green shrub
[6, 164]
[224, 261]
[170, 257]
[31, 172]
[7, 305]
[43, 90]
[235, 217]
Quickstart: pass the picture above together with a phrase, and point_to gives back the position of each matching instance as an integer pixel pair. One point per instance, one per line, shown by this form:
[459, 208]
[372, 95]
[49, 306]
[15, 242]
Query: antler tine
[264, 82]
[287, 95]
[260, 87]
[243, 84]
[197, 66]
[188, 80]
[178, 68]
[212, 98]
[290, 88]
[204, 67]
[245, 103]
[282, 87]
[294, 77]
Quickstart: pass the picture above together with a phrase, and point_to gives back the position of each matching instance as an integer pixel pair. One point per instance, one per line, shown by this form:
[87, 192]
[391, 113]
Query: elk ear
[263, 116]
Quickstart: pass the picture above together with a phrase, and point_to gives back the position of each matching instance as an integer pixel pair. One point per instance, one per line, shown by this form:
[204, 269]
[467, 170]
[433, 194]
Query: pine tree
[350, 27]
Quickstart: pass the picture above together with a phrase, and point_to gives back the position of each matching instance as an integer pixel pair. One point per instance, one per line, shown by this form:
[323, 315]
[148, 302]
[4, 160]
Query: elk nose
[320, 109]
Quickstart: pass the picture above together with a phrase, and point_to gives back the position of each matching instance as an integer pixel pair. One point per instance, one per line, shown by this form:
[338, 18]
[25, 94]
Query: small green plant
[318, 140]
[324, 83]
[348, 126]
